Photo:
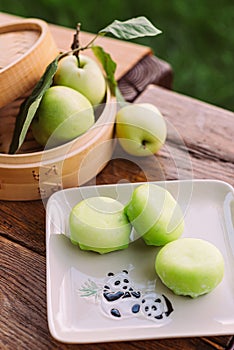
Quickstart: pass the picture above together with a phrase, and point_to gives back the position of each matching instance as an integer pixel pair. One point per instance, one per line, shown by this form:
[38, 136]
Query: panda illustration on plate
[120, 298]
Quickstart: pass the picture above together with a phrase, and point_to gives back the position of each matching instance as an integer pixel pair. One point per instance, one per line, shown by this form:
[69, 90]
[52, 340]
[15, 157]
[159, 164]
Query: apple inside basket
[35, 172]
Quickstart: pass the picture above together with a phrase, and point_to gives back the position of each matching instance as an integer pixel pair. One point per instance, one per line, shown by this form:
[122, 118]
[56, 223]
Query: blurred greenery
[197, 39]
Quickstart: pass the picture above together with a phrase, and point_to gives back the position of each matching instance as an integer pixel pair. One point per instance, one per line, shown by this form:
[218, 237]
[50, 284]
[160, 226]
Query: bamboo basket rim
[26, 160]
[31, 48]
[16, 26]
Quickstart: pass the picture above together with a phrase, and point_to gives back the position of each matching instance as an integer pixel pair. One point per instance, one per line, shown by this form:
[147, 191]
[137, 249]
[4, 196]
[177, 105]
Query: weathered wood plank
[171, 163]
[149, 70]
[230, 344]
[23, 303]
[24, 223]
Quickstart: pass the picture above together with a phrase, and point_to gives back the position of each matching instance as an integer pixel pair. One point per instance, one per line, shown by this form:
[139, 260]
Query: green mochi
[155, 214]
[99, 224]
[190, 266]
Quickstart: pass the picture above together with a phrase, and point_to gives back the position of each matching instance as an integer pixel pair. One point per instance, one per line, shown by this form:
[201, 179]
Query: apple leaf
[131, 29]
[108, 65]
[119, 97]
[29, 107]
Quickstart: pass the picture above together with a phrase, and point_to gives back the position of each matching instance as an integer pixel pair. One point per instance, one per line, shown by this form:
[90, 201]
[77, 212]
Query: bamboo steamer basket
[34, 173]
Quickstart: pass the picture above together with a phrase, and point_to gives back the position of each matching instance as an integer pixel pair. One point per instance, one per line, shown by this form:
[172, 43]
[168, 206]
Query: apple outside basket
[34, 173]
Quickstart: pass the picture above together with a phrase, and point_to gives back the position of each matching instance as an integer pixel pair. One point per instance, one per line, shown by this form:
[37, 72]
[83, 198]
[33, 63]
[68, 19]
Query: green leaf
[119, 97]
[108, 65]
[132, 28]
[30, 105]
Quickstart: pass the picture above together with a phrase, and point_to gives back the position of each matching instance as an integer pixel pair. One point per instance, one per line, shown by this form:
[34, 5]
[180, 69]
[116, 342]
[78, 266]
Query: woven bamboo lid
[27, 47]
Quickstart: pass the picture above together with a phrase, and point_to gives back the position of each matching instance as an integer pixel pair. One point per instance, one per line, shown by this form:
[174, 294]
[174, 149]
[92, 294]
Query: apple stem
[76, 43]
[75, 47]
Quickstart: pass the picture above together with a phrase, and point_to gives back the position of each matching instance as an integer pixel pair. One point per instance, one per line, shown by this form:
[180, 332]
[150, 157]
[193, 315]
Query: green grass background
[197, 39]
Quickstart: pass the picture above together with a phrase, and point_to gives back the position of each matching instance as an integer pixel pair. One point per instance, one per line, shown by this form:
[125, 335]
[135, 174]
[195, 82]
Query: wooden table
[199, 132]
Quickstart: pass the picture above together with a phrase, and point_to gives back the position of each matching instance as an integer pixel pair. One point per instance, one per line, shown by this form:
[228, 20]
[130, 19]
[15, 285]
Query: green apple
[190, 266]
[140, 129]
[99, 224]
[88, 79]
[63, 114]
[155, 214]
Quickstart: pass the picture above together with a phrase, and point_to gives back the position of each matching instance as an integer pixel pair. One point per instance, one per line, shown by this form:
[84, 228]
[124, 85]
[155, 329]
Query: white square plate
[72, 274]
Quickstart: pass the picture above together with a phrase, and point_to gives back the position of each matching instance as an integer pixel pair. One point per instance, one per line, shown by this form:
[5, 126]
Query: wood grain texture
[149, 70]
[24, 224]
[230, 344]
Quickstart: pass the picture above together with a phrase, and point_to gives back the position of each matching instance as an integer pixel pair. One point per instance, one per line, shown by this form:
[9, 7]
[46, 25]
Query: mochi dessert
[155, 214]
[99, 224]
[190, 266]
